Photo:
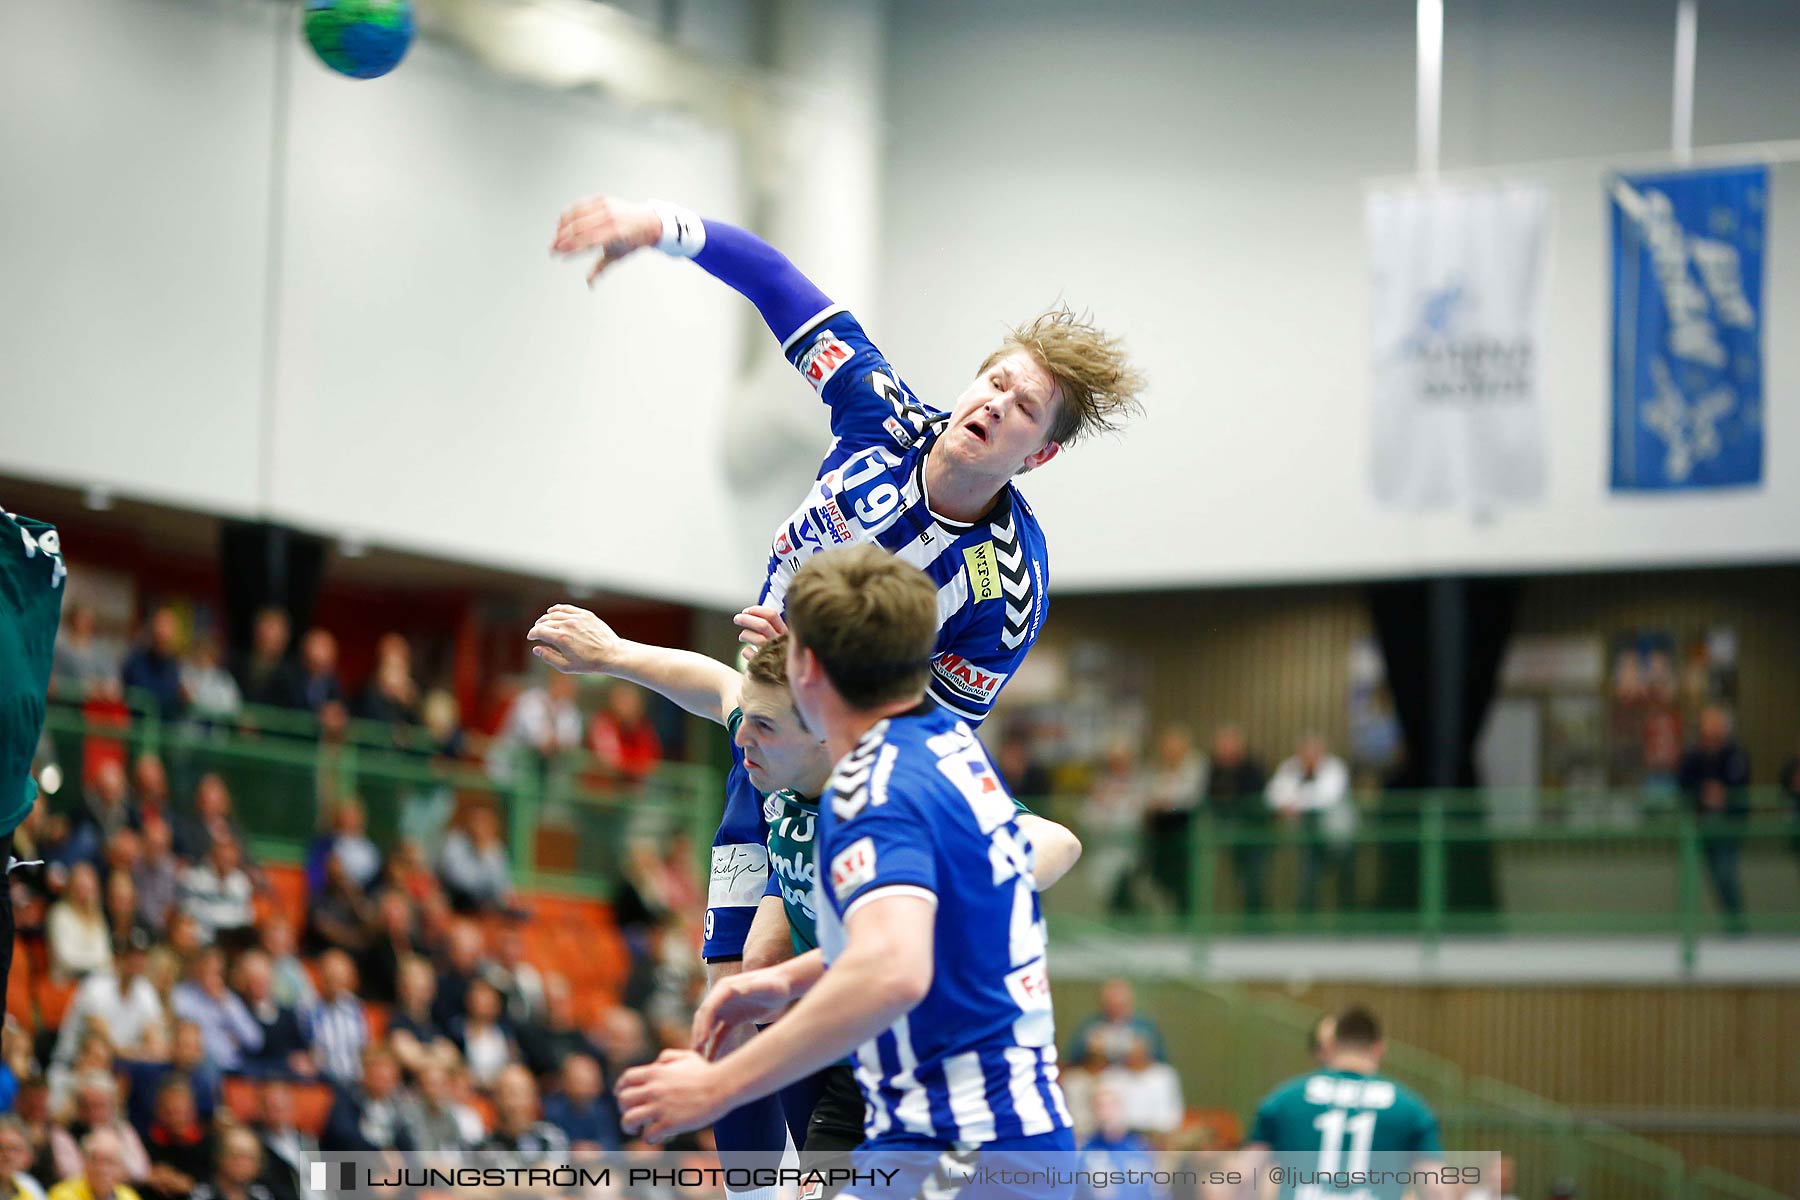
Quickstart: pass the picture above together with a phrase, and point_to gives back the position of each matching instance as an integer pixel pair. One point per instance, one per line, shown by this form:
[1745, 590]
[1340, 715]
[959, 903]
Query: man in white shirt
[1149, 1090]
[122, 1000]
[1312, 789]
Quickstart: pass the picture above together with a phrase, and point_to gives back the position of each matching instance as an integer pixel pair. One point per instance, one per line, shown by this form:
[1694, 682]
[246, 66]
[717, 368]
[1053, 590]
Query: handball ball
[359, 38]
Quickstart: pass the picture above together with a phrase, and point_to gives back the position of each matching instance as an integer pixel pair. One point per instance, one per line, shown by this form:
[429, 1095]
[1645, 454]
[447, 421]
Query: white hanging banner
[1458, 321]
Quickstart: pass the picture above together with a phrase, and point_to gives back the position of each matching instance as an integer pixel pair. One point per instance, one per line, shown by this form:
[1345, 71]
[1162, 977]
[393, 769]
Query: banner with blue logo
[1687, 329]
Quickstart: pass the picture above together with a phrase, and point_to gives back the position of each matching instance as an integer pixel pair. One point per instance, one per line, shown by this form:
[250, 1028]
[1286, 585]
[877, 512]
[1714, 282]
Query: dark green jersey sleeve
[31, 592]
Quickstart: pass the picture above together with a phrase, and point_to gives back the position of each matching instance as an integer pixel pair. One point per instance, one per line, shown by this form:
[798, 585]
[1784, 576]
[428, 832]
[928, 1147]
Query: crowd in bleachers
[184, 1019]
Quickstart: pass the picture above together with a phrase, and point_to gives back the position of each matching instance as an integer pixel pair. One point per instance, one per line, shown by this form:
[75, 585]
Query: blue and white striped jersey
[917, 809]
[992, 582]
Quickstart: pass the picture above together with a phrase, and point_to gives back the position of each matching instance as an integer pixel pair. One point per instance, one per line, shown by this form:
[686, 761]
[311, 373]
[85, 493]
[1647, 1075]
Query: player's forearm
[1055, 849]
[863, 993]
[701, 685]
[768, 943]
[784, 296]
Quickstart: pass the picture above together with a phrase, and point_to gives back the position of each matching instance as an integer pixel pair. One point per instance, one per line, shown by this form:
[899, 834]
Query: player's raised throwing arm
[576, 642]
[787, 299]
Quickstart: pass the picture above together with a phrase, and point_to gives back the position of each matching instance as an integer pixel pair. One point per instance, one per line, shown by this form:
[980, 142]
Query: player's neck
[1350, 1060]
[845, 726]
[958, 495]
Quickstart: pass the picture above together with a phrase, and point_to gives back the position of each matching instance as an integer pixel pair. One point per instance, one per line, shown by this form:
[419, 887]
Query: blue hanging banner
[1687, 329]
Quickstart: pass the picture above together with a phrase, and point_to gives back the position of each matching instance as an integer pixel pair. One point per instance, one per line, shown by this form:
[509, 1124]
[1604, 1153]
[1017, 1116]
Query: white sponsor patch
[853, 867]
[739, 874]
[966, 679]
[1030, 987]
[822, 359]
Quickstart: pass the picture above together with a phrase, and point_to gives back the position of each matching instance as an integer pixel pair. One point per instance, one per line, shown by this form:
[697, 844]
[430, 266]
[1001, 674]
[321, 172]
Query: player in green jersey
[31, 592]
[1331, 1120]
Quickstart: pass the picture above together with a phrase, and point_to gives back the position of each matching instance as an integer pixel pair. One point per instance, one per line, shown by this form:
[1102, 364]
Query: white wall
[1195, 174]
[428, 378]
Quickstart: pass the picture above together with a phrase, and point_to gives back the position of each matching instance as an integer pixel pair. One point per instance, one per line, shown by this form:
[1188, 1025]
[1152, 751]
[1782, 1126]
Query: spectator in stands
[102, 1174]
[621, 737]
[93, 1055]
[155, 666]
[1079, 1075]
[1111, 1032]
[1312, 790]
[238, 1175]
[340, 1029]
[16, 1156]
[413, 1034]
[97, 1107]
[157, 876]
[433, 1120]
[183, 1054]
[545, 1043]
[286, 1045]
[481, 1033]
[75, 928]
[1114, 816]
[150, 789]
[109, 807]
[33, 1112]
[1235, 797]
[473, 867]
[624, 1040]
[121, 909]
[288, 1150]
[343, 916]
[119, 1001]
[1150, 1090]
[217, 893]
[317, 681]
[1025, 777]
[392, 944]
[520, 985]
[349, 842]
[1115, 1146]
[425, 808]
[1715, 778]
[213, 695]
[519, 1135]
[542, 722]
[180, 1142]
[227, 1030]
[1176, 781]
[390, 695]
[582, 1109]
[265, 676]
[292, 986]
[370, 1114]
[81, 659]
[212, 820]
[462, 966]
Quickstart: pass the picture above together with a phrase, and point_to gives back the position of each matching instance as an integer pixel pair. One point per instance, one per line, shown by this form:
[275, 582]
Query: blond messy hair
[1098, 385]
[870, 619]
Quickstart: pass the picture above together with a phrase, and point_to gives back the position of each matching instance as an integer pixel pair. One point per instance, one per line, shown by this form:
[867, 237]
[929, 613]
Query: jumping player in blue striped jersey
[933, 487]
[932, 961]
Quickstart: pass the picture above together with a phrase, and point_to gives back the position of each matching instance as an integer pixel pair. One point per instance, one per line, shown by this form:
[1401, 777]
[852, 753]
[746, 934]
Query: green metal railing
[567, 828]
[1434, 866]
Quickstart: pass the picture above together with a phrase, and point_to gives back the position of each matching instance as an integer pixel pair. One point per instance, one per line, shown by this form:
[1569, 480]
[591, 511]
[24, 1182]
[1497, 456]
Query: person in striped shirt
[932, 961]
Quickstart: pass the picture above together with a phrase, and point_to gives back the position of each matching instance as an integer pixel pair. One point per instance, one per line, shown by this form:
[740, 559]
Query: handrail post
[1431, 874]
[522, 812]
[1201, 909]
[1687, 891]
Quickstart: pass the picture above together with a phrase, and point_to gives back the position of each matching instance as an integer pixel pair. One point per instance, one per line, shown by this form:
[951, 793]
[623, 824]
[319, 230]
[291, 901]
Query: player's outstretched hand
[676, 1093]
[573, 640]
[759, 624]
[736, 1002]
[613, 226]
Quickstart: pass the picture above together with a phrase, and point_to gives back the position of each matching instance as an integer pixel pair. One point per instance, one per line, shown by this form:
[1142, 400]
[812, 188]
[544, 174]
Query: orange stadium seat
[1220, 1127]
[53, 996]
[287, 885]
[312, 1101]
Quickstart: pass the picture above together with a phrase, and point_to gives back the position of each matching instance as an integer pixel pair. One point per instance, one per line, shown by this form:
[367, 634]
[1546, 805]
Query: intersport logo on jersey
[967, 679]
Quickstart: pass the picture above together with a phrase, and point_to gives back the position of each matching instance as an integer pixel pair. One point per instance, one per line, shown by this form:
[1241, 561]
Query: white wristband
[684, 233]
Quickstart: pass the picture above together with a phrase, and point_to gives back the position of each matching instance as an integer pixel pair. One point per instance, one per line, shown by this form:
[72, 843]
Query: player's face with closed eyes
[1001, 423]
[778, 751]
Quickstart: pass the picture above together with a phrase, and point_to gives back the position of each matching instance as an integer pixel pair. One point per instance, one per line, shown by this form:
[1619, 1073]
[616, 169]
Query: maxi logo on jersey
[966, 679]
[823, 358]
